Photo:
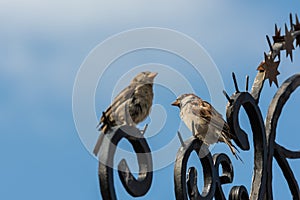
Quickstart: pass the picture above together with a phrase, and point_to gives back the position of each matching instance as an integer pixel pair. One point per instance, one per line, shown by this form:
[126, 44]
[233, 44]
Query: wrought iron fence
[264, 134]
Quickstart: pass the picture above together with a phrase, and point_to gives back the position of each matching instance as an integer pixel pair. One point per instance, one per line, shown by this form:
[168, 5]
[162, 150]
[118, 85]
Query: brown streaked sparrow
[131, 106]
[204, 121]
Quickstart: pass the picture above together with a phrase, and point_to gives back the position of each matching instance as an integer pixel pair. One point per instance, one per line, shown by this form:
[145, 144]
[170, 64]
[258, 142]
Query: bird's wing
[124, 95]
[207, 112]
[204, 110]
[105, 120]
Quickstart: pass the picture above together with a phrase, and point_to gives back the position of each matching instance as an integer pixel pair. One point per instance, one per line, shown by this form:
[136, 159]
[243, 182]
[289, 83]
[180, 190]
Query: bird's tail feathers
[104, 128]
[98, 144]
[106, 123]
[233, 148]
[98, 125]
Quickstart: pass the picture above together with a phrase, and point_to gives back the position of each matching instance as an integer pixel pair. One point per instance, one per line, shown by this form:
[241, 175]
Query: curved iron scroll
[135, 187]
[280, 153]
[186, 186]
[246, 100]
[265, 147]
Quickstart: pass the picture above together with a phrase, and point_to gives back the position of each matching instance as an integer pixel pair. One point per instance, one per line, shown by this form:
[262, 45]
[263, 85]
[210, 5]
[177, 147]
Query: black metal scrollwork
[246, 100]
[264, 138]
[186, 186]
[180, 179]
[265, 147]
[227, 173]
[280, 153]
[238, 193]
[135, 187]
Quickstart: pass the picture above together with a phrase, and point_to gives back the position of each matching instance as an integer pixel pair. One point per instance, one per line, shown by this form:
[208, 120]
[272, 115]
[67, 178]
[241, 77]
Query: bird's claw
[193, 129]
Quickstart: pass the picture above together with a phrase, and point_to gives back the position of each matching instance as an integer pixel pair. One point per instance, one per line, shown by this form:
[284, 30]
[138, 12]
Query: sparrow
[204, 121]
[131, 106]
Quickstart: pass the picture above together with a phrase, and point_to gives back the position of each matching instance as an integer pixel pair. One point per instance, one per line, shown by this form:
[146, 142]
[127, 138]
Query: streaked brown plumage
[202, 117]
[131, 106]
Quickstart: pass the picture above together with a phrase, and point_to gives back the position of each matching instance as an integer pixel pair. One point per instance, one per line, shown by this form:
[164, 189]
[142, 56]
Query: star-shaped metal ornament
[277, 37]
[297, 28]
[289, 46]
[270, 68]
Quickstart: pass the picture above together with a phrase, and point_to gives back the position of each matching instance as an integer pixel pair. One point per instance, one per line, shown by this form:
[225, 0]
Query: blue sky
[43, 45]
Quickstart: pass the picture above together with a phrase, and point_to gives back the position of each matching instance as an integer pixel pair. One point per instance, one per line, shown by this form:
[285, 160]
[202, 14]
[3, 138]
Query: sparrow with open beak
[202, 118]
[131, 106]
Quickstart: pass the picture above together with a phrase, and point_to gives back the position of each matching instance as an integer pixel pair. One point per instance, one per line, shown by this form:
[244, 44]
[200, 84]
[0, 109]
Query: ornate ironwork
[135, 187]
[265, 147]
[186, 186]
[275, 150]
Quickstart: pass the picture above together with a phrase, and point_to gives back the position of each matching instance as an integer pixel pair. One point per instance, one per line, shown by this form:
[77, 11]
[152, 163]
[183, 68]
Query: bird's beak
[175, 103]
[152, 75]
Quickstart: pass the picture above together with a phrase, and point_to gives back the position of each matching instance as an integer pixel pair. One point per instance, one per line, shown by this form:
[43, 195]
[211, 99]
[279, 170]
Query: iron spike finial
[235, 83]
[291, 21]
[297, 20]
[269, 43]
[227, 96]
[277, 31]
[289, 46]
[247, 83]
